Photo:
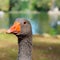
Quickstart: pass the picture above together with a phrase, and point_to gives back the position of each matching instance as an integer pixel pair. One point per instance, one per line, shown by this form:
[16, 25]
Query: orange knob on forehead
[15, 28]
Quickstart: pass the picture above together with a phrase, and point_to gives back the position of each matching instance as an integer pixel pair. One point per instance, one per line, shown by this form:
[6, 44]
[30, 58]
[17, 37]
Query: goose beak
[15, 28]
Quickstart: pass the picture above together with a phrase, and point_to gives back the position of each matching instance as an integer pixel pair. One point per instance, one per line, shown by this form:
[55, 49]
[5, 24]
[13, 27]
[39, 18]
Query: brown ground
[44, 47]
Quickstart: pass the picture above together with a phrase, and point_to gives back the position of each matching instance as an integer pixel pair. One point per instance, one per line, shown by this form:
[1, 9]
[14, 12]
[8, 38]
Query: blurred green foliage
[4, 5]
[39, 5]
[53, 32]
[42, 5]
[17, 5]
[58, 3]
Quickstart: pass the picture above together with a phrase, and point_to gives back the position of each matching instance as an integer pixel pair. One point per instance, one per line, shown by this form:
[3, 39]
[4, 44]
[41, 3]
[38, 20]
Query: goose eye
[25, 22]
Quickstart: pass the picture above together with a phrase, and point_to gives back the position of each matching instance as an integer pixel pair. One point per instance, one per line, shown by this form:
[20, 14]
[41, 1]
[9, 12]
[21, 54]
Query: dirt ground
[45, 47]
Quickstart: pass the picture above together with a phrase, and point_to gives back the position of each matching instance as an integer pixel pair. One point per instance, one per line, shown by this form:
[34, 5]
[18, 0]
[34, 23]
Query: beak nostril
[14, 27]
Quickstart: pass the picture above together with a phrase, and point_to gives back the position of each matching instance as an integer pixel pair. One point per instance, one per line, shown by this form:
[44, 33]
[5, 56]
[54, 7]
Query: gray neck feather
[25, 48]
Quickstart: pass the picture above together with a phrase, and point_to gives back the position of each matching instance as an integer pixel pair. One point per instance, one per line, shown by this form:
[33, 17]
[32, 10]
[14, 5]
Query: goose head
[20, 27]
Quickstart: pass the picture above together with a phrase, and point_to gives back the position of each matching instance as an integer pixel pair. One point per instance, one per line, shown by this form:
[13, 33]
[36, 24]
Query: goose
[22, 29]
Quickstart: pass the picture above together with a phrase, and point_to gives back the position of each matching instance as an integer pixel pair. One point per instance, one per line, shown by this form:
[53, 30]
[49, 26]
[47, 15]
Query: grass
[44, 48]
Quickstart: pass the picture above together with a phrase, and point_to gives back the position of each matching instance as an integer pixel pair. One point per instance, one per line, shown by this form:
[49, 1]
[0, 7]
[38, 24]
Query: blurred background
[44, 16]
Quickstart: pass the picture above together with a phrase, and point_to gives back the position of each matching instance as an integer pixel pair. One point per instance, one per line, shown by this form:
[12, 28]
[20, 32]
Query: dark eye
[25, 22]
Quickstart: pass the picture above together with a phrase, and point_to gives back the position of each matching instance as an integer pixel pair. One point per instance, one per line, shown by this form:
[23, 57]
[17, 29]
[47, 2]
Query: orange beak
[16, 28]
